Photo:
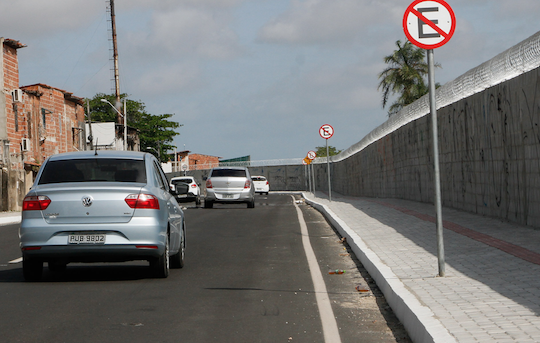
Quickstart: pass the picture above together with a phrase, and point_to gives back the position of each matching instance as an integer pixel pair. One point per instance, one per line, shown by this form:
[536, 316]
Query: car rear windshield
[175, 181]
[228, 173]
[258, 178]
[93, 170]
[181, 182]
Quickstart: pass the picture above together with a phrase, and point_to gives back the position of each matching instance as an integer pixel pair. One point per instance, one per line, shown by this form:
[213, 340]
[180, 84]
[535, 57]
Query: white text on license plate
[86, 239]
[228, 196]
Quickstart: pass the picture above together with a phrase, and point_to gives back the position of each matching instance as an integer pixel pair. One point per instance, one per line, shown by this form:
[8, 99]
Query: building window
[16, 113]
[44, 115]
[29, 124]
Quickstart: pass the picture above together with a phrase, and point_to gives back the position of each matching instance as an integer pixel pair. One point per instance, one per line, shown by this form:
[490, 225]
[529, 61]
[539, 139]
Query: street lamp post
[157, 152]
[124, 116]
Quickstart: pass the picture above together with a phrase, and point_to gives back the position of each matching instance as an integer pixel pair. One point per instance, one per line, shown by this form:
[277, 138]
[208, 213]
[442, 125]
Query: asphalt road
[246, 279]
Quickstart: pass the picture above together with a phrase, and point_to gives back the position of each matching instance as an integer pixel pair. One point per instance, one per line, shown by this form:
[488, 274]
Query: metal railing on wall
[252, 163]
[517, 60]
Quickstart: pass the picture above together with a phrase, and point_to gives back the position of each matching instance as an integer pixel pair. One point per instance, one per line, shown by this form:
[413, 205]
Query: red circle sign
[326, 131]
[429, 24]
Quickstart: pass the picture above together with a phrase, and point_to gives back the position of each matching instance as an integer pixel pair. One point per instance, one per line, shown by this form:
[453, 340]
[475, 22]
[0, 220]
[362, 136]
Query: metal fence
[515, 61]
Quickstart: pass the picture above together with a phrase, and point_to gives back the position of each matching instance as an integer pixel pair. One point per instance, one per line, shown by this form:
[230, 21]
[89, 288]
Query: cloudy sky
[248, 77]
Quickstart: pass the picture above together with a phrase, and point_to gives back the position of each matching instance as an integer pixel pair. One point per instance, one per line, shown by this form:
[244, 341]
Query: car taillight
[36, 203]
[247, 184]
[193, 185]
[142, 201]
[266, 182]
[208, 183]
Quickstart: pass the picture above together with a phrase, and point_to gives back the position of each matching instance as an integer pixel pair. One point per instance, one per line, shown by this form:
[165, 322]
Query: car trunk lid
[224, 183]
[90, 204]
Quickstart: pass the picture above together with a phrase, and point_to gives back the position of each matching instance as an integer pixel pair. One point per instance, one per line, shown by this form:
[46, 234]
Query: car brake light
[146, 246]
[247, 184]
[30, 248]
[148, 201]
[266, 182]
[36, 203]
[193, 185]
[208, 183]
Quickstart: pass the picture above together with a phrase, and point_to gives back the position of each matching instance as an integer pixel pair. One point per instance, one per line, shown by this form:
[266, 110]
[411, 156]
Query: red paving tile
[512, 249]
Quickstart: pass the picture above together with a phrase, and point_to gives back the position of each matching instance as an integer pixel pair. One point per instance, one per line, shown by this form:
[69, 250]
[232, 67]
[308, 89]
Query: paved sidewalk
[491, 290]
[10, 217]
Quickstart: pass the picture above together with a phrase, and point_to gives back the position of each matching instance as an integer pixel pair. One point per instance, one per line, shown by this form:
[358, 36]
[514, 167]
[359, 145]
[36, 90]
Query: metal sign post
[309, 160]
[437, 176]
[326, 131]
[430, 24]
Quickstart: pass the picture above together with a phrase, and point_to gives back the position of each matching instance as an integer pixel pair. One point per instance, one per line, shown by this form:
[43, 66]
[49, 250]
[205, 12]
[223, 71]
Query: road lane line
[328, 320]
[17, 260]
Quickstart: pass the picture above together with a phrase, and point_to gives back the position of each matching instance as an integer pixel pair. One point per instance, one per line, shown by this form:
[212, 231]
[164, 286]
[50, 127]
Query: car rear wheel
[177, 260]
[251, 204]
[160, 265]
[208, 204]
[32, 269]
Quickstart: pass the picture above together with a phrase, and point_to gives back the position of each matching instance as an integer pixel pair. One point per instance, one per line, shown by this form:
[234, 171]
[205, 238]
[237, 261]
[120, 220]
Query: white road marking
[17, 260]
[328, 320]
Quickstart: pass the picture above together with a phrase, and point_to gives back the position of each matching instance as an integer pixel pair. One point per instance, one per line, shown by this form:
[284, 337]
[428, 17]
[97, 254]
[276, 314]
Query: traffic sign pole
[328, 170]
[326, 131]
[430, 24]
[437, 178]
[313, 177]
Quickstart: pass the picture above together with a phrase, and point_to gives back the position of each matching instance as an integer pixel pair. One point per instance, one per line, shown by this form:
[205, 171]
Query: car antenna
[95, 152]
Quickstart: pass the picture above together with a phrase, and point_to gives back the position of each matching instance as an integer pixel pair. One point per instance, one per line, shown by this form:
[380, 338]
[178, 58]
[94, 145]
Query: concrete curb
[418, 320]
[10, 220]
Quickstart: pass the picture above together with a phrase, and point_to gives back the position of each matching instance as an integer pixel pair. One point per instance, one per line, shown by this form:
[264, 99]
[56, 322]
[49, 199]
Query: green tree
[404, 76]
[321, 151]
[156, 132]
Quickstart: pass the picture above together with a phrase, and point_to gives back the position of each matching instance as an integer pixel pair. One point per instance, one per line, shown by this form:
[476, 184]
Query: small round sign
[429, 24]
[311, 155]
[326, 131]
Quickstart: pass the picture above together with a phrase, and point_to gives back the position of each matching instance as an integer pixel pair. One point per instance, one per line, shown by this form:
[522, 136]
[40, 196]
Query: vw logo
[87, 201]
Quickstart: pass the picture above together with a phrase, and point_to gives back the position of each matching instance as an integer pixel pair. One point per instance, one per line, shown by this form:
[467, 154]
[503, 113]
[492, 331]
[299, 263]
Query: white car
[261, 184]
[186, 188]
[229, 185]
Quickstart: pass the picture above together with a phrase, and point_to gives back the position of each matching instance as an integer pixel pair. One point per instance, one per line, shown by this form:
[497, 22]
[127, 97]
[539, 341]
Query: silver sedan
[102, 206]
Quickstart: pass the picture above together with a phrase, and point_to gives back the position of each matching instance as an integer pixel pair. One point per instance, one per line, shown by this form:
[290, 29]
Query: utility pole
[115, 58]
[90, 136]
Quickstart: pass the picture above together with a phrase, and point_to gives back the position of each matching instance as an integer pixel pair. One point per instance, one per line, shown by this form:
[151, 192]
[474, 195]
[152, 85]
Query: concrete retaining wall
[281, 178]
[489, 147]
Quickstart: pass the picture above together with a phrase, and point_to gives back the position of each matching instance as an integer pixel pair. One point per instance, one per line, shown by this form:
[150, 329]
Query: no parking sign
[429, 24]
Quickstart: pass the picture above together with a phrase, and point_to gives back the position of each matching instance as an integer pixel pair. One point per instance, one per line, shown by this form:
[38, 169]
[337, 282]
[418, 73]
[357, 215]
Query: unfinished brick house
[36, 122]
[186, 161]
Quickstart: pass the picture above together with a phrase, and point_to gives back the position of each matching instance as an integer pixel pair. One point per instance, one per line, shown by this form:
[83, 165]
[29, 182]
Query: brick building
[36, 122]
[185, 161]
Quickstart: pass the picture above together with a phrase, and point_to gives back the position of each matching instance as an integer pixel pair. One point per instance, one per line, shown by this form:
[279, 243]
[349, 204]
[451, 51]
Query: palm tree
[404, 75]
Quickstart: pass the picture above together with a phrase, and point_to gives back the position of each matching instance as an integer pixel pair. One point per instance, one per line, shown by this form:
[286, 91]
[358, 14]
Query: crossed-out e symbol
[421, 24]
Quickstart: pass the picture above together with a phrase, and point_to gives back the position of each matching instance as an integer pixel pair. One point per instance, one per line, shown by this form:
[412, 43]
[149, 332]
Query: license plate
[228, 196]
[86, 239]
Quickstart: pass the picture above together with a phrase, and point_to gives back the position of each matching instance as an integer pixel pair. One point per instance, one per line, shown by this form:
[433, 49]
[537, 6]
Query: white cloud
[174, 4]
[330, 22]
[38, 18]
[169, 79]
[190, 32]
